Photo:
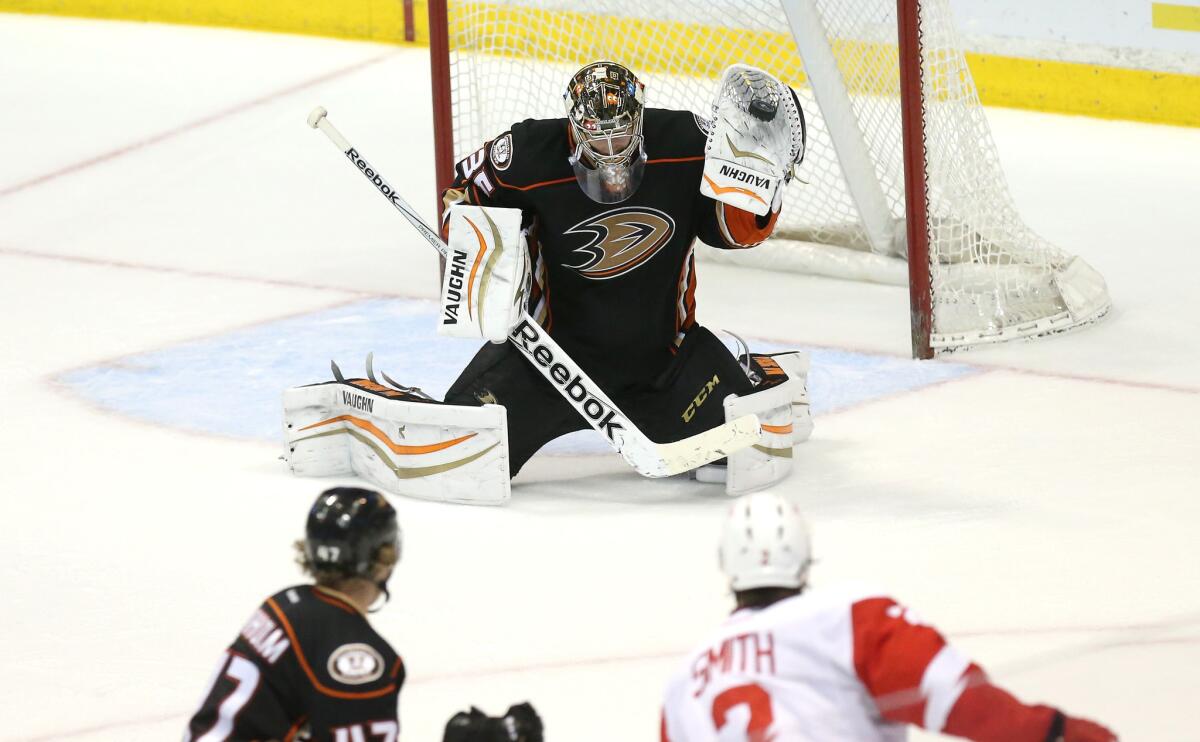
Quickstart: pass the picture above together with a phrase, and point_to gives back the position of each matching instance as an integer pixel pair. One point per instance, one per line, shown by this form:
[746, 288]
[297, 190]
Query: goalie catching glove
[756, 138]
[487, 275]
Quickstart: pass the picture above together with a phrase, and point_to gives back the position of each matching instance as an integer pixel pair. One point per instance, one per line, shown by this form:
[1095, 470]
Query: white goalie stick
[647, 457]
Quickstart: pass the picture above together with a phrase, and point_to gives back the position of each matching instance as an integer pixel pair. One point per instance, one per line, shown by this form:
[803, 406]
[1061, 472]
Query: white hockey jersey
[842, 665]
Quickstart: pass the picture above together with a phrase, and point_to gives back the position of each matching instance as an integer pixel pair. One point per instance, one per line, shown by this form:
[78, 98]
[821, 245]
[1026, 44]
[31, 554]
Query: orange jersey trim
[291, 733]
[324, 597]
[571, 179]
[332, 692]
[535, 185]
[395, 447]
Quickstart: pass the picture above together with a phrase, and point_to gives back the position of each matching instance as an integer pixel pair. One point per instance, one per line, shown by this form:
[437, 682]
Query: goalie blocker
[487, 276]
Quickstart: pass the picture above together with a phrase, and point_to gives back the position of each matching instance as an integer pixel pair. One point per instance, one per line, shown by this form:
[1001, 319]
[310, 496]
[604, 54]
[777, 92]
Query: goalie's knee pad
[399, 441]
[781, 402]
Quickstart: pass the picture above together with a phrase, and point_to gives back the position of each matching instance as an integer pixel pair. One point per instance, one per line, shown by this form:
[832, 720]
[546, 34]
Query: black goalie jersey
[615, 284]
[306, 666]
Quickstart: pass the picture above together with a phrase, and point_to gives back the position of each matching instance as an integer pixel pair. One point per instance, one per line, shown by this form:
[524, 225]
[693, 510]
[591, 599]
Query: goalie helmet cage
[892, 111]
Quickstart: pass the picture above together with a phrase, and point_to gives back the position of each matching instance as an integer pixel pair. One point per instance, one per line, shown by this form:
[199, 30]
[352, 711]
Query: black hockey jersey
[615, 284]
[307, 665]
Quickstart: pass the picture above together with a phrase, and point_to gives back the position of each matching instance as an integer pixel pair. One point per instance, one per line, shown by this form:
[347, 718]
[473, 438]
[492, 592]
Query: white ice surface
[158, 184]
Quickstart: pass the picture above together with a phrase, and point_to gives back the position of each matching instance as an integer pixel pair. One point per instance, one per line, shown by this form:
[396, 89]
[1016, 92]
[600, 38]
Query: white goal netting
[991, 277]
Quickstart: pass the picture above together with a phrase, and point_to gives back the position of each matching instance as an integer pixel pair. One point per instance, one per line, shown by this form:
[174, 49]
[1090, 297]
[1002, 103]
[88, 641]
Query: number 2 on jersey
[753, 697]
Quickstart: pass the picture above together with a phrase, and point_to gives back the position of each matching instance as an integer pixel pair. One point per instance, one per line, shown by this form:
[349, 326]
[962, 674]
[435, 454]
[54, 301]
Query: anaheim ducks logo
[621, 240]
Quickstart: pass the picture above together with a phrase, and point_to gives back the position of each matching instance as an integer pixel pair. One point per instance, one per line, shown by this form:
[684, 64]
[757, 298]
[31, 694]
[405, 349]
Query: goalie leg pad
[795, 364]
[770, 460]
[401, 443]
[782, 409]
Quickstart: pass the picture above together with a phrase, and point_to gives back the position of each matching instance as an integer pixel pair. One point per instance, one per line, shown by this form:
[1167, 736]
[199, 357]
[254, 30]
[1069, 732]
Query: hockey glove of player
[520, 724]
[1071, 729]
[755, 140]
[487, 278]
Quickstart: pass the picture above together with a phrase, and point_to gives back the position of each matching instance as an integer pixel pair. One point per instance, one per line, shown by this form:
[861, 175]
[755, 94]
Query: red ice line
[106, 263]
[246, 105]
[198, 123]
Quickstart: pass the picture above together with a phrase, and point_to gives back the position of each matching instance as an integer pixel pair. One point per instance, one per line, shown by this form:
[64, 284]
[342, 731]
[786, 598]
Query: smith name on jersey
[837, 664]
[610, 280]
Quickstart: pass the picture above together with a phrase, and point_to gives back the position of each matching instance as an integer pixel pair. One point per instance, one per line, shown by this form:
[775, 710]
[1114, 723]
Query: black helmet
[346, 528]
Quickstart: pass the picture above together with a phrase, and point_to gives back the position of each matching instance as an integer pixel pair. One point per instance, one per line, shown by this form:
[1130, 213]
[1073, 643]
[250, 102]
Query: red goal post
[900, 162]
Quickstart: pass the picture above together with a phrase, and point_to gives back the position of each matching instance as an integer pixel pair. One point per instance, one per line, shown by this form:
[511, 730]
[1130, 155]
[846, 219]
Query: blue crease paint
[231, 384]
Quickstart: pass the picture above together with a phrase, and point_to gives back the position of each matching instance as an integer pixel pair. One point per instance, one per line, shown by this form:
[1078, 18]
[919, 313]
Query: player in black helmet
[308, 665]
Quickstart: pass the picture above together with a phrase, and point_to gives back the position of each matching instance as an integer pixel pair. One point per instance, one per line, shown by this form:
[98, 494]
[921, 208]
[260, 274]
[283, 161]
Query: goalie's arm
[730, 228]
[476, 182]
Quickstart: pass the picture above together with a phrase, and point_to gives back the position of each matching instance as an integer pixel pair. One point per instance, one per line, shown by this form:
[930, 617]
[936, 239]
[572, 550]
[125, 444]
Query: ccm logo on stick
[528, 336]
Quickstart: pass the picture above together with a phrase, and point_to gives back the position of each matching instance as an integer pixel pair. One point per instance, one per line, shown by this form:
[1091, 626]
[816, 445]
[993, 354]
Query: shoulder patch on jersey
[355, 664]
[502, 152]
[703, 124]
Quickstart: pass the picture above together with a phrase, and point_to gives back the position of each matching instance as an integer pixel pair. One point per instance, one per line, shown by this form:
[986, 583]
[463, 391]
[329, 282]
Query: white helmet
[765, 543]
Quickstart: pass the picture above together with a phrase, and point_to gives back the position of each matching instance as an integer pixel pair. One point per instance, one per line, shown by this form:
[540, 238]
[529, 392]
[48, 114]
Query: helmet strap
[378, 605]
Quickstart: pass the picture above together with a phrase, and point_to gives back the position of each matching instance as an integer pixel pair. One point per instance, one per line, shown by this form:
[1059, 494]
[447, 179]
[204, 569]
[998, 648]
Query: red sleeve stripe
[891, 655]
[941, 685]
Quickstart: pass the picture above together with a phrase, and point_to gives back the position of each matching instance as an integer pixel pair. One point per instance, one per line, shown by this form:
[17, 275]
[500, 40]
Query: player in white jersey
[841, 665]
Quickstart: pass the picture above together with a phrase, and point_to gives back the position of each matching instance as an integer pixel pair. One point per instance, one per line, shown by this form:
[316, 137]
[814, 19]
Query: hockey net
[988, 277]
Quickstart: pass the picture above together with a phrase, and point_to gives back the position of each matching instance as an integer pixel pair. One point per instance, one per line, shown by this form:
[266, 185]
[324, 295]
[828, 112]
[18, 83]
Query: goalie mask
[604, 103]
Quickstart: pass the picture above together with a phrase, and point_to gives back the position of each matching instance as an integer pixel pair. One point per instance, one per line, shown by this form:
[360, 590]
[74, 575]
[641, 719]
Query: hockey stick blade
[700, 449]
[648, 458]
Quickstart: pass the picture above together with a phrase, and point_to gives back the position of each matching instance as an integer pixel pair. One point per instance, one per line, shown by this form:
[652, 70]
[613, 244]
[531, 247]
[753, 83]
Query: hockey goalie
[588, 222]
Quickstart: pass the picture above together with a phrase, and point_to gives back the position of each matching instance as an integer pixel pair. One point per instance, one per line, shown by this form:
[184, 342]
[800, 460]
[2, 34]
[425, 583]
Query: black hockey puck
[763, 110]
